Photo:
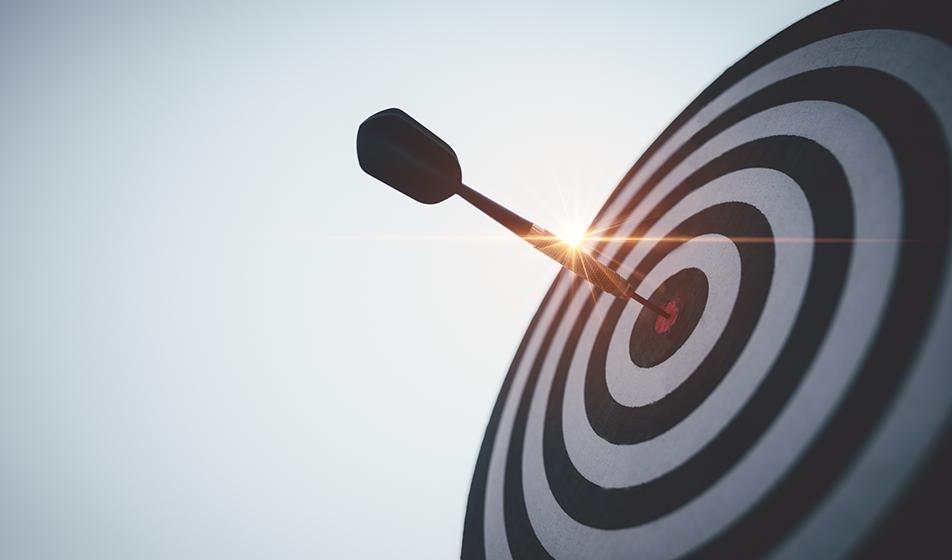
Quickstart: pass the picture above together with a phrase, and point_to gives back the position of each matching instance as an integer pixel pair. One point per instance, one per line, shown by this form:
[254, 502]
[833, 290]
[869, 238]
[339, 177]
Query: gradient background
[218, 337]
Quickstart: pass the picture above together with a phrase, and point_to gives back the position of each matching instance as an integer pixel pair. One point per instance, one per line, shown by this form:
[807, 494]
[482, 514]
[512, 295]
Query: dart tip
[657, 309]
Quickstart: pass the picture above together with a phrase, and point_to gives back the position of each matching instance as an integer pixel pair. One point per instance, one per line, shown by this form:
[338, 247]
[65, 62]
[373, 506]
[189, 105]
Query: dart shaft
[575, 259]
[586, 267]
[512, 221]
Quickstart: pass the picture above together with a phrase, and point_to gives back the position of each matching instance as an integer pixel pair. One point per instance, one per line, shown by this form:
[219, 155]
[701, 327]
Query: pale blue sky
[219, 338]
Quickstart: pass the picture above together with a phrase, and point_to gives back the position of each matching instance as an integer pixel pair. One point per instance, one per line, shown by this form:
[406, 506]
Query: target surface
[797, 216]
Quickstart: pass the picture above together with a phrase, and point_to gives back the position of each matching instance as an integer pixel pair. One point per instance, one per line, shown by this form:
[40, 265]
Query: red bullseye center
[664, 324]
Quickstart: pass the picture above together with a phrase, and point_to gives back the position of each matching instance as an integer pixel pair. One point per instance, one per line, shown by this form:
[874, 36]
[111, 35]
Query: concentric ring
[836, 205]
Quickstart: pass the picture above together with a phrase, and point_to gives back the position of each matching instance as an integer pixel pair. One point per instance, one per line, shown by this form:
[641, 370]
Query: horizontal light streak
[590, 239]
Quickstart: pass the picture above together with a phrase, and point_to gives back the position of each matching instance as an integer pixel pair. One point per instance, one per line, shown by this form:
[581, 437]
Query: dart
[399, 151]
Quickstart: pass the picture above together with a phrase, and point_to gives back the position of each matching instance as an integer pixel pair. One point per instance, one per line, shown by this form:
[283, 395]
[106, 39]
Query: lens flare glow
[573, 237]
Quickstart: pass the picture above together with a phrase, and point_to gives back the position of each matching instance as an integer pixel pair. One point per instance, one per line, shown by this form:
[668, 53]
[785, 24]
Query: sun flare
[573, 238]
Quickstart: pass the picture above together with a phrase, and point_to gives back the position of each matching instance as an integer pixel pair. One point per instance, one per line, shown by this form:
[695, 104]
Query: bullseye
[663, 324]
[655, 338]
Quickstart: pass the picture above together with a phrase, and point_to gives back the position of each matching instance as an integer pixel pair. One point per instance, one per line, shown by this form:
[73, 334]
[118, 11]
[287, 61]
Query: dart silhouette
[399, 151]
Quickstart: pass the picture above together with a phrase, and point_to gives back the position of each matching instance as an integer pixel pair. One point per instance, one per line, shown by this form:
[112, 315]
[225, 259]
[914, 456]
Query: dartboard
[794, 220]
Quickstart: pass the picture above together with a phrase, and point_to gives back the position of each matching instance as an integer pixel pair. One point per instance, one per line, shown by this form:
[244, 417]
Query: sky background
[218, 337]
